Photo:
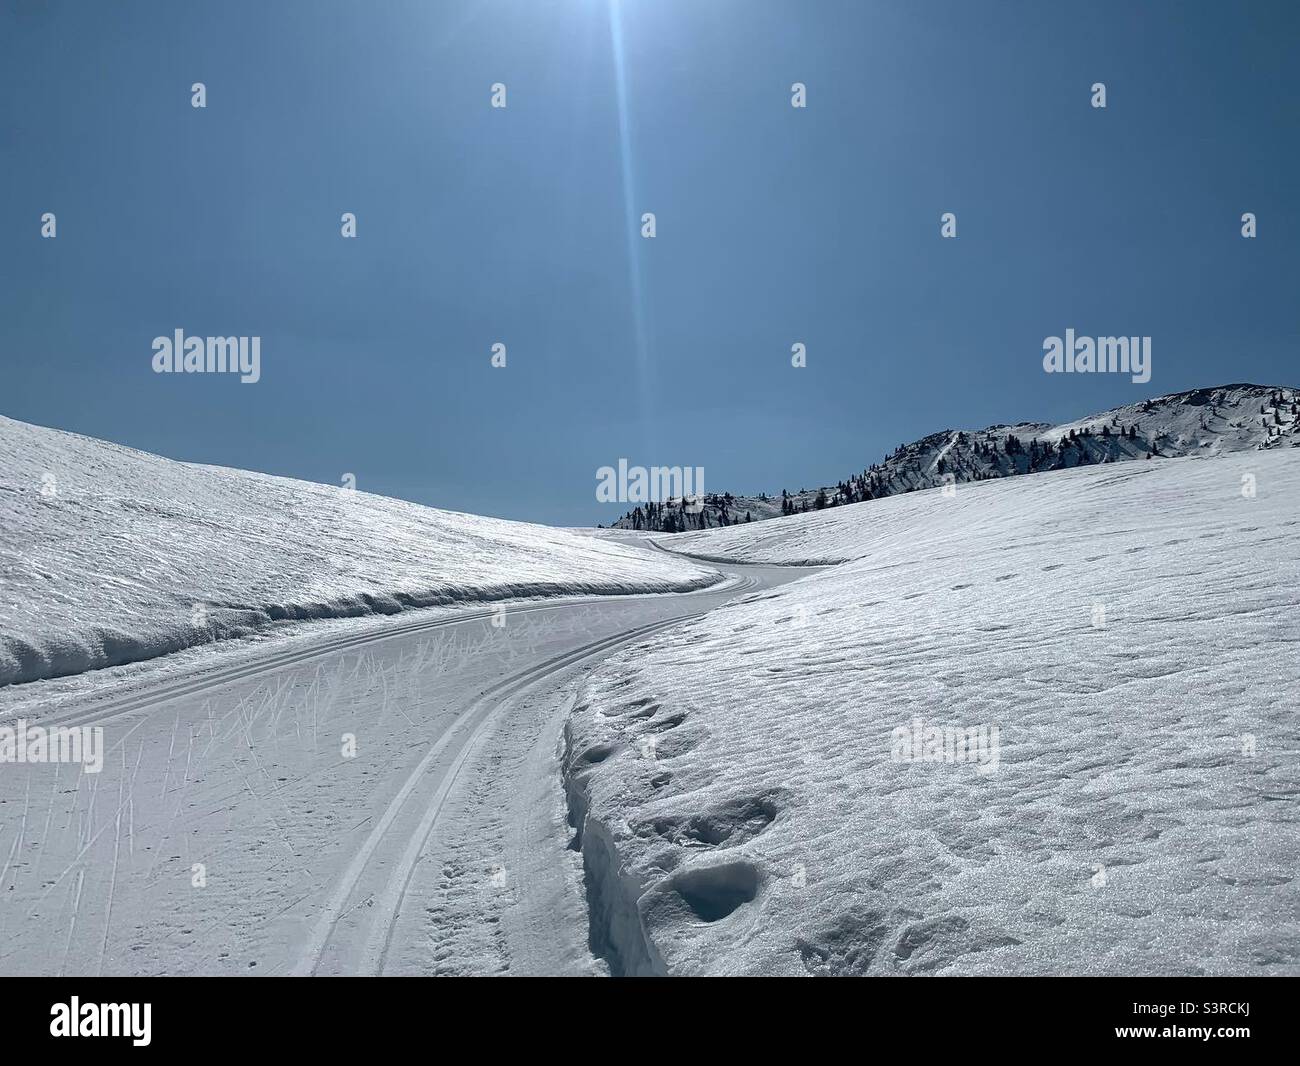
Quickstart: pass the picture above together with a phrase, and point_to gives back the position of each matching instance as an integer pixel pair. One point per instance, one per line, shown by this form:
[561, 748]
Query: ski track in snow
[238, 839]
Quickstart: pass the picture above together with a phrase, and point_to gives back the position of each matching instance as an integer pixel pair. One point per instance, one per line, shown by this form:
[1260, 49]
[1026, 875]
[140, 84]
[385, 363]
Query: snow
[1213, 421]
[942, 454]
[1041, 724]
[1210, 421]
[749, 800]
[110, 555]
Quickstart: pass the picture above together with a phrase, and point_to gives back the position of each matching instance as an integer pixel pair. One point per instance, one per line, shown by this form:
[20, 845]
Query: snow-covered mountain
[1212, 421]
[110, 555]
[1036, 725]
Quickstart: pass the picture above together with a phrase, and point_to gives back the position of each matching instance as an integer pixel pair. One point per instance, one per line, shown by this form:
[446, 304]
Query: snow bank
[110, 555]
[1044, 726]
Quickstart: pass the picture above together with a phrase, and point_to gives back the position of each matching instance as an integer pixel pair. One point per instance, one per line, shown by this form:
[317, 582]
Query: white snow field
[1046, 725]
[110, 555]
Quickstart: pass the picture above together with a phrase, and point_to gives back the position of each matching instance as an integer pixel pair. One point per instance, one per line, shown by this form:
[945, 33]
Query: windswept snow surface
[779, 787]
[110, 555]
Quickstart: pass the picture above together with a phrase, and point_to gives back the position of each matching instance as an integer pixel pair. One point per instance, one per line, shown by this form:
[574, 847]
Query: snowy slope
[1131, 632]
[1211, 421]
[110, 555]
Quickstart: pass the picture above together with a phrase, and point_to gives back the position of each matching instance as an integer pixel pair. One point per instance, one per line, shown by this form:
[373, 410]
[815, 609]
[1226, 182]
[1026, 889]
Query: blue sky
[775, 225]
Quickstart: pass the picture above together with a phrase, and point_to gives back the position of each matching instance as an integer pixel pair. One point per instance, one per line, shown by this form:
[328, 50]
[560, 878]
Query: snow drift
[794, 784]
[110, 555]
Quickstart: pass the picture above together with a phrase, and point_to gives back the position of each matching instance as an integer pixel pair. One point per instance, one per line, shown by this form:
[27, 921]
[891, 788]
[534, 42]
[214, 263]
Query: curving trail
[380, 801]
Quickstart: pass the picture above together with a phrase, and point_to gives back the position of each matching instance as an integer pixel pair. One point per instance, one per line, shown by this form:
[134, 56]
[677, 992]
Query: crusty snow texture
[1133, 634]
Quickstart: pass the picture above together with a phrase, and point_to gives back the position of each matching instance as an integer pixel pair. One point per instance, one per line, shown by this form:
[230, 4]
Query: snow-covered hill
[1043, 725]
[1213, 421]
[110, 555]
